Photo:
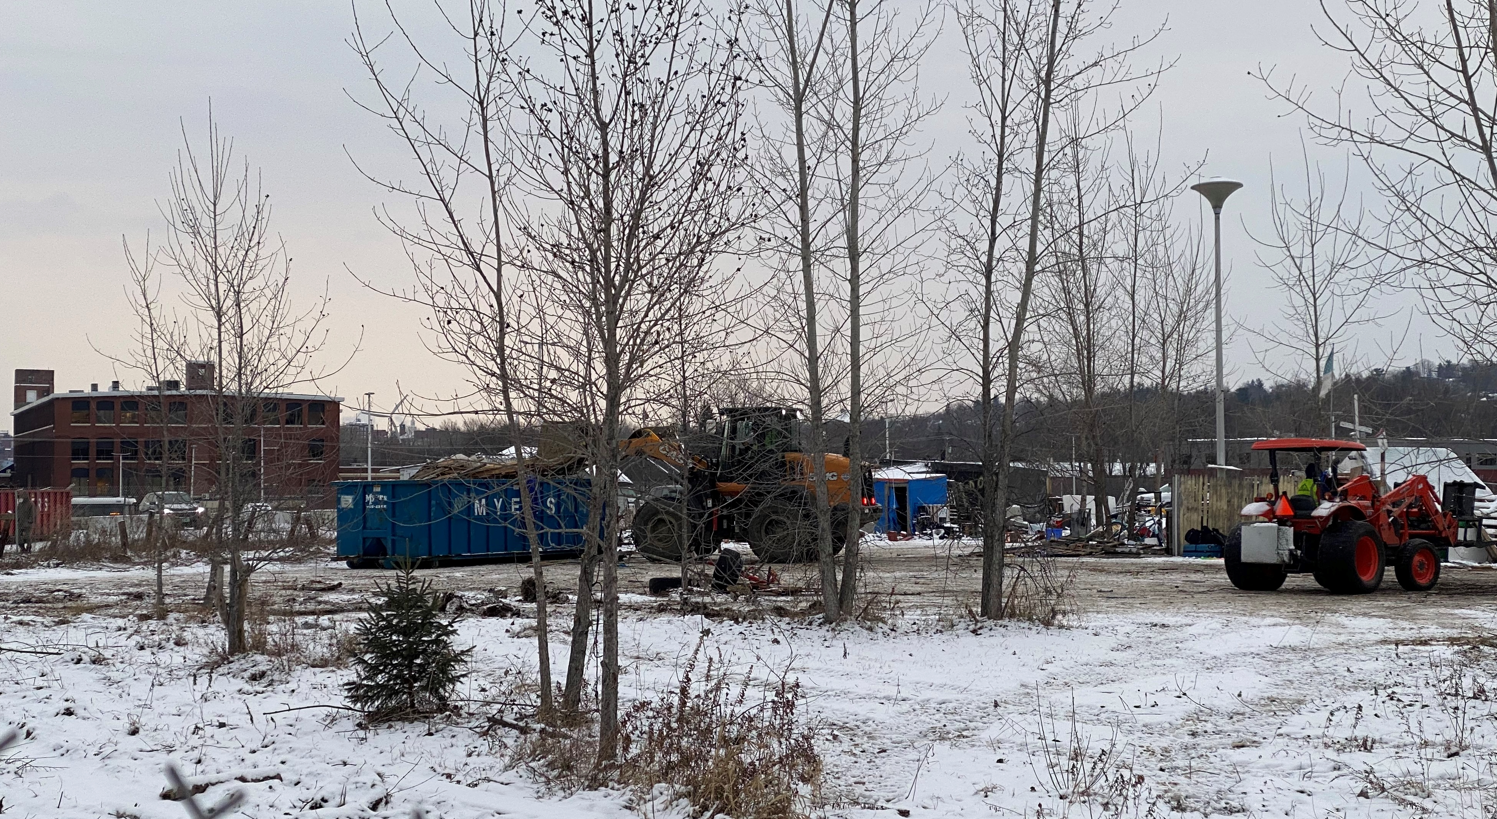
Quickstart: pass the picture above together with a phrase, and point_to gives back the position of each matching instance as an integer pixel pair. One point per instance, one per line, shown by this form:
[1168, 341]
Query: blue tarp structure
[902, 490]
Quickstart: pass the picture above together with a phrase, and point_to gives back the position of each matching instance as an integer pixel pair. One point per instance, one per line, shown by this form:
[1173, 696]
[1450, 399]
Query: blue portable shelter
[455, 520]
[902, 490]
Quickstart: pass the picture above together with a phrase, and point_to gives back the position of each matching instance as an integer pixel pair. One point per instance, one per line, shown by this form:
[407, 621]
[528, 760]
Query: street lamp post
[1216, 192]
[369, 437]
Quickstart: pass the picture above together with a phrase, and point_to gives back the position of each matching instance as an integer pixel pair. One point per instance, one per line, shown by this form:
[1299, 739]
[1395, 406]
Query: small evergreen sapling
[406, 665]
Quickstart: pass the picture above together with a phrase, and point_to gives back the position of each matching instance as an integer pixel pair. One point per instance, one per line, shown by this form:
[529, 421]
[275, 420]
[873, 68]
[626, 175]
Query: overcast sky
[91, 95]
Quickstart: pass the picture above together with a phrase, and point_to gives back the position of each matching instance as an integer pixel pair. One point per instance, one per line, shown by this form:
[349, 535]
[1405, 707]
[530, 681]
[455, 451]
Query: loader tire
[783, 530]
[1418, 566]
[657, 532]
[1352, 558]
[1250, 576]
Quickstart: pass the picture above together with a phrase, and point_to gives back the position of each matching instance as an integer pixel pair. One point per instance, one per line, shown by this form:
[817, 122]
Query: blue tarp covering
[902, 491]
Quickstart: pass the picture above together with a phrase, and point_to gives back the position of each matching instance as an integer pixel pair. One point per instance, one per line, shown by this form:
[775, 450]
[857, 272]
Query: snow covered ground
[1170, 696]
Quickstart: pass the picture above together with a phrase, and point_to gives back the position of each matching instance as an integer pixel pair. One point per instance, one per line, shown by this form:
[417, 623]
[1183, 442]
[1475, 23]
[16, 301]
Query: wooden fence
[1210, 498]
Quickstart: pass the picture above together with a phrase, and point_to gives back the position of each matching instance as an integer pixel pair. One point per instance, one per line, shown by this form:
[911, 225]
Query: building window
[1486, 459]
[316, 414]
[80, 414]
[103, 482]
[153, 450]
[176, 451]
[80, 449]
[130, 412]
[176, 413]
[249, 448]
[104, 449]
[104, 412]
[153, 413]
[270, 414]
[249, 414]
[315, 449]
[80, 481]
[293, 414]
[129, 449]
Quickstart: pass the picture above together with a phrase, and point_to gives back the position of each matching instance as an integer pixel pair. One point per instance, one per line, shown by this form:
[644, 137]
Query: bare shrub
[879, 608]
[299, 643]
[563, 755]
[728, 746]
[1082, 768]
[1041, 592]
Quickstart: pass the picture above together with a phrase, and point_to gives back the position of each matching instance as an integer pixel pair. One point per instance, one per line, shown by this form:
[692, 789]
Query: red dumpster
[54, 509]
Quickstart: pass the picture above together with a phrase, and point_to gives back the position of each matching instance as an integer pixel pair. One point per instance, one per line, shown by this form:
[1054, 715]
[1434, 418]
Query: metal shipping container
[380, 522]
[54, 510]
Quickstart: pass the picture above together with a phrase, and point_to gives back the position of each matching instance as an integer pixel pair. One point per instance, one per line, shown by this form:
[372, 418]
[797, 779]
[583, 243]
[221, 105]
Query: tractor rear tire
[657, 532]
[1352, 558]
[1418, 566]
[1250, 576]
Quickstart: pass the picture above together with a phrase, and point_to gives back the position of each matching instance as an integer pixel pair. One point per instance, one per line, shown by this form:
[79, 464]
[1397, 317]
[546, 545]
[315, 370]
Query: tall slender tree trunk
[799, 82]
[855, 321]
[1026, 290]
[608, 665]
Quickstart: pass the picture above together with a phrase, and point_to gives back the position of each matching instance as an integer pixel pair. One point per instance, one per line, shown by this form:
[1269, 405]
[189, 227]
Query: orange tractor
[746, 479]
[1346, 531]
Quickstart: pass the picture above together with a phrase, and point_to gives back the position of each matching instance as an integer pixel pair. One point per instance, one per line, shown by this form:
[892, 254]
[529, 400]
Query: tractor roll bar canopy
[1307, 445]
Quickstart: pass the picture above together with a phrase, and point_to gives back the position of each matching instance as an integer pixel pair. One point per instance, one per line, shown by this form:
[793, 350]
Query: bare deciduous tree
[791, 65]
[231, 282]
[1323, 272]
[1015, 124]
[457, 238]
[631, 153]
[1426, 130]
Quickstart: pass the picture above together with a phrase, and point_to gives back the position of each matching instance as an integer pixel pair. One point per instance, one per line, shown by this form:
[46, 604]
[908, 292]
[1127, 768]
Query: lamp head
[1216, 190]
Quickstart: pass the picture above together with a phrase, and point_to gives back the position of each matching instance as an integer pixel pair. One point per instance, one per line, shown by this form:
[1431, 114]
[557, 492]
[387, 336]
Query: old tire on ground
[661, 585]
[657, 532]
[728, 570]
[363, 563]
[1417, 566]
[783, 530]
[1351, 559]
[1250, 576]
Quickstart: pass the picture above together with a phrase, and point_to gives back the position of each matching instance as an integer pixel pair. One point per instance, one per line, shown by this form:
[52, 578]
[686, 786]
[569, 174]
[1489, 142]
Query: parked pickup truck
[179, 506]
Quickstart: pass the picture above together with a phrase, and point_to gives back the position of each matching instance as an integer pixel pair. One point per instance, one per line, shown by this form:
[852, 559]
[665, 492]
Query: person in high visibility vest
[1311, 481]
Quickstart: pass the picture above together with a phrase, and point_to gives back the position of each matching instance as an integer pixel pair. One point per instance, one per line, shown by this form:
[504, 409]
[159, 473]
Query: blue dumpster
[382, 522]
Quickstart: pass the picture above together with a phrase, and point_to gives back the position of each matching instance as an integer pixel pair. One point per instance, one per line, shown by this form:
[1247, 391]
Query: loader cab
[754, 442]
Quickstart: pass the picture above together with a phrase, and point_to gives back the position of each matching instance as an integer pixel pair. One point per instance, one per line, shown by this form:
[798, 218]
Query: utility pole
[369, 438]
[1216, 192]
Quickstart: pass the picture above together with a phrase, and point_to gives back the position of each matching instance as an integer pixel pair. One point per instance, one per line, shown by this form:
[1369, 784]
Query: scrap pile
[478, 467]
[1098, 542]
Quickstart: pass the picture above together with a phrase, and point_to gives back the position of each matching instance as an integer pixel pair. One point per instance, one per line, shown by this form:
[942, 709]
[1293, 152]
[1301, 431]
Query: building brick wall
[132, 442]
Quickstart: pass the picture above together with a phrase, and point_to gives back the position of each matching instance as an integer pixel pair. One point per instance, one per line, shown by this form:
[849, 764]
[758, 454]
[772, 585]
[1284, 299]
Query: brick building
[129, 442]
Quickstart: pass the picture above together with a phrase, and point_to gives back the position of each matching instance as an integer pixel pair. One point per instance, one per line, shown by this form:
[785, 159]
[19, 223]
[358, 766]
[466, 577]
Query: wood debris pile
[462, 467]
